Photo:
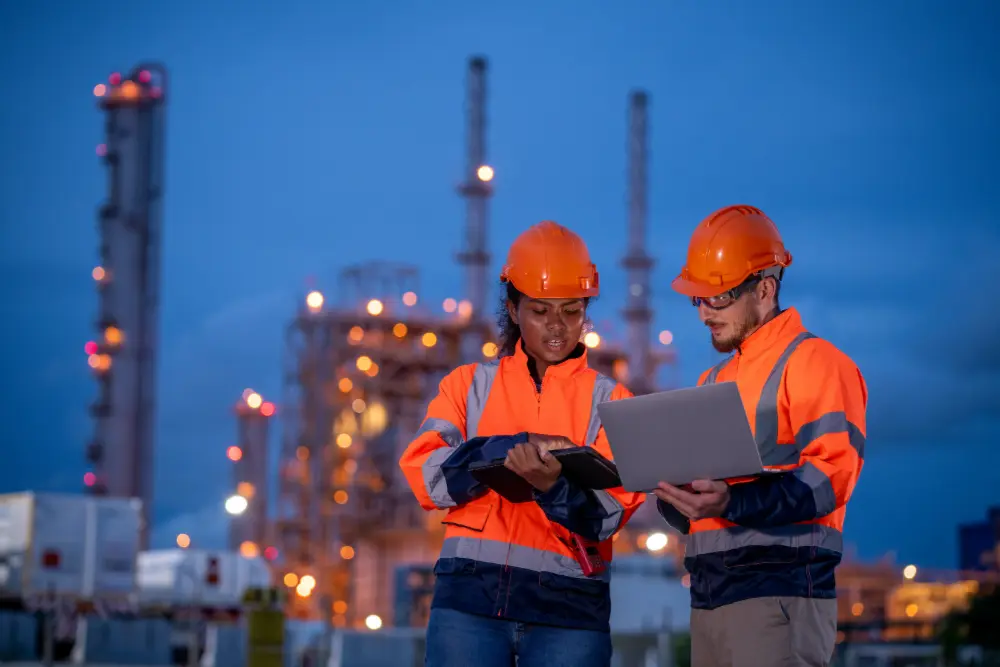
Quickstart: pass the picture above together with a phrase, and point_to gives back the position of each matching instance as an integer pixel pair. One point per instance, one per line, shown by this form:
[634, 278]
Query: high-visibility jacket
[514, 560]
[782, 534]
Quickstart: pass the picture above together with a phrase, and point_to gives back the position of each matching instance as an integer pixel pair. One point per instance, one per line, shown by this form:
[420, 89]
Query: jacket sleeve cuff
[739, 495]
[774, 500]
[673, 517]
[557, 494]
[495, 448]
[571, 507]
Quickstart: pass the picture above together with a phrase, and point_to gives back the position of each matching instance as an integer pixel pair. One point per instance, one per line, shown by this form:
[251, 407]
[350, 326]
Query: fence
[156, 642]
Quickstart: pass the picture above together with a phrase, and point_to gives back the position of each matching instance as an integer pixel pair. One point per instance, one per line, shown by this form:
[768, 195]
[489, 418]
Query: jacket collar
[785, 325]
[576, 362]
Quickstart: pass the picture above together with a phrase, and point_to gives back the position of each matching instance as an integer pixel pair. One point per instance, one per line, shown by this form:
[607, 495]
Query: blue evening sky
[309, 136]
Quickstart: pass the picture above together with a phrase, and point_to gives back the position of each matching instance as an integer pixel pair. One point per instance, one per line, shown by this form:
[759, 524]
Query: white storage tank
[198, 578]
[74, 546]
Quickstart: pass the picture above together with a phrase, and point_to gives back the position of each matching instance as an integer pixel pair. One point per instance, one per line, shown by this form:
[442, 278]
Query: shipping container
[68, 546]
[198, 578]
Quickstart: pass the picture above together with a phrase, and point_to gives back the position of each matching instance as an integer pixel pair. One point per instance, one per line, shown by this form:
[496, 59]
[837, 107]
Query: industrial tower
[123, 355]
[477, 190]
[248, 525]
[637, 362]
[637, 263]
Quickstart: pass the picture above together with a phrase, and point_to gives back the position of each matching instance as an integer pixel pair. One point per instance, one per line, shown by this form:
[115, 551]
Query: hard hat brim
[552, 292]
[687, 287]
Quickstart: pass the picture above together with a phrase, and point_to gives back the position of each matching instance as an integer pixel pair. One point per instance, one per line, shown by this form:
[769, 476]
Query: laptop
[679, 436]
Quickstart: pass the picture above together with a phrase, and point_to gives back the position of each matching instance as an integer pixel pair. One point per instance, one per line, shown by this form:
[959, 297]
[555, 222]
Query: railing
[127, 642]
[155, 641]
[404, 647]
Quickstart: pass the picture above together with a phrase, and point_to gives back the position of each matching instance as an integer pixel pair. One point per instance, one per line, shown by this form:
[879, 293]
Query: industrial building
[979, 543]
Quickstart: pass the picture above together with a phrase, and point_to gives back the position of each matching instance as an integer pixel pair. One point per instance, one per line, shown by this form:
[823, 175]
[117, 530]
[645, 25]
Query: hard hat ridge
[727, 247]
[550, 261]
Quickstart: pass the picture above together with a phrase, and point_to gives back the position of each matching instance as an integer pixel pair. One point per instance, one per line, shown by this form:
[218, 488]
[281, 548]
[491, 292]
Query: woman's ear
[512, 311]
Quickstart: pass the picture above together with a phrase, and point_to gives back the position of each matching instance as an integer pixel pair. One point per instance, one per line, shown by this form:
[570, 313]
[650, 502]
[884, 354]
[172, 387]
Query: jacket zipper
[505, 590]
[538, 396]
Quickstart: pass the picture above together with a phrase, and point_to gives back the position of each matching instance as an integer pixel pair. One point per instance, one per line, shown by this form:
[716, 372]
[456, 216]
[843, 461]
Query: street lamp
[236, 504]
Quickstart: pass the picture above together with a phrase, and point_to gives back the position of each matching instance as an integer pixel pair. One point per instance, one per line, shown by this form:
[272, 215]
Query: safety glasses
[727, 298]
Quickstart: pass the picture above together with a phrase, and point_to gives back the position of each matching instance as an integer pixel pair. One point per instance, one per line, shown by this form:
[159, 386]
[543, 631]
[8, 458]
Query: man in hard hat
[762, 552]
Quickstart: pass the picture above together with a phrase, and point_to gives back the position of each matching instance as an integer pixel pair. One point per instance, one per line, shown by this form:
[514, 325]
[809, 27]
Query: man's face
[731, 325]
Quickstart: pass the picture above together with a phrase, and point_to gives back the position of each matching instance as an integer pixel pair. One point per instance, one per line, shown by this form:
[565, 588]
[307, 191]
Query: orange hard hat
[728, 247]
[548, 261]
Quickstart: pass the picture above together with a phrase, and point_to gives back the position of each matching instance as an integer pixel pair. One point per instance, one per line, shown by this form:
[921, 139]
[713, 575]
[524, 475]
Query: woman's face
[550, 328]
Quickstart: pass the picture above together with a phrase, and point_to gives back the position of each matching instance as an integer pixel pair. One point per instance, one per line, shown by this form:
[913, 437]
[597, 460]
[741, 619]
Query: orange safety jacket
[782, 533]
[514, 560]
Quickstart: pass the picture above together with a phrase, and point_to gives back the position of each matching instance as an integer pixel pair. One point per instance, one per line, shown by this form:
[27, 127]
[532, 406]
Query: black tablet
[583, 466]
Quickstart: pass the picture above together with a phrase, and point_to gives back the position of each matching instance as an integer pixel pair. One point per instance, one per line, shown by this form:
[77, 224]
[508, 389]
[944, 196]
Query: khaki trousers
[765, 632]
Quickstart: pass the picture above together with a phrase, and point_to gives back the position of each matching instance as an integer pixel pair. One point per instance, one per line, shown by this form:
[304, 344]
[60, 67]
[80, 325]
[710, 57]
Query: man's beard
[740, 333]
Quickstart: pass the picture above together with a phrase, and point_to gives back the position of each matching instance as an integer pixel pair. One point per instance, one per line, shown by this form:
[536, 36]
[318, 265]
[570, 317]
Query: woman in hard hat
[520, 579]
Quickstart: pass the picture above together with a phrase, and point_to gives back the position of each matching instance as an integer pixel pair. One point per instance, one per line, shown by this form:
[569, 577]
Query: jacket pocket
[472, 517]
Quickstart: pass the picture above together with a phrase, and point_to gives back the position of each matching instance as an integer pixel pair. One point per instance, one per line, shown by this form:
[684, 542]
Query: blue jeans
[456, 639]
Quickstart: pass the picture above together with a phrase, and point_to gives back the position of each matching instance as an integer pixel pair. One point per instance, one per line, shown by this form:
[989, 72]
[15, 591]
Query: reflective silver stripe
[515, 555]
[448, 431]
[831, 422]
[714, 372]
[766, 428]
[603, 386]
[434, 481]
[739, 537]
[820, 485]
[479, 391]
[614, 510]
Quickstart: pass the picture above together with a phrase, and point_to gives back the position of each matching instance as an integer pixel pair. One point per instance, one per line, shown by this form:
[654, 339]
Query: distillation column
[248, 523]
[128, 279]
[476, 190]
[637, 262]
